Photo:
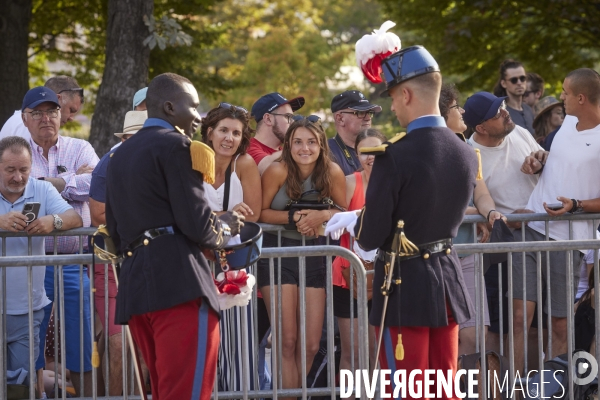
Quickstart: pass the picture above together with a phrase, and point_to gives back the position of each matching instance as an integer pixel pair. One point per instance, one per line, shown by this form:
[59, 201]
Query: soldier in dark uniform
[425, 178]
[158, 218]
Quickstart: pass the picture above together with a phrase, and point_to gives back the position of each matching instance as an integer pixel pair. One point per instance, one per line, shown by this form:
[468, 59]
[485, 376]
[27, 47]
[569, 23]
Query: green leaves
[470, 39]
[165, 32]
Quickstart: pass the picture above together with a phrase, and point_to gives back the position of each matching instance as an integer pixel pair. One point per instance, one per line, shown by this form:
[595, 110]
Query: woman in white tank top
[226, 130]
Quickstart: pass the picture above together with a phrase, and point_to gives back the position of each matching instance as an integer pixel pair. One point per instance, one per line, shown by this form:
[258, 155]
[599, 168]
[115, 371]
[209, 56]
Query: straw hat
[544, 105]
[134, 121]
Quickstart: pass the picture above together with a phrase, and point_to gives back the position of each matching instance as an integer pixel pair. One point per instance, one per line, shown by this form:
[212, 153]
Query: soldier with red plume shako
[421, 184]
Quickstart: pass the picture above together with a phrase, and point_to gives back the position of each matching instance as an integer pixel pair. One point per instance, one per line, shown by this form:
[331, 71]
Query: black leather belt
[148, 235]
[425, 250]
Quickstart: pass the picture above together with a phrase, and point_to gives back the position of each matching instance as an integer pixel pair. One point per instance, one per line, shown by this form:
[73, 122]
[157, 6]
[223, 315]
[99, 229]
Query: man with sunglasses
[503, 146]
[70, 98]
[352, 113]
[512, 85]
[273, 114]
[67, 164]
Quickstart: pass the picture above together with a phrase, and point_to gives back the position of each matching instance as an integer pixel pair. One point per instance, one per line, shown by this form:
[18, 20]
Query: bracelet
[574, 206]
[330, 215]
[491, 211]
[291, 217]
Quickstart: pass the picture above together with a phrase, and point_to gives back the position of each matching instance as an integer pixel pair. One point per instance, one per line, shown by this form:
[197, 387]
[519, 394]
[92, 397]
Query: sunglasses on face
[78, 90]
[360, 114]
[311, 118]
[232, 107]
[516, 79]
[499, 113]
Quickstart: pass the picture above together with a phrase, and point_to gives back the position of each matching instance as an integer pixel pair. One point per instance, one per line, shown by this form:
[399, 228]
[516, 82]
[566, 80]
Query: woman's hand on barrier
[567, 206]
[311, 220]
[243, 209]
[41, 225]
[483, 230]
[13, 221]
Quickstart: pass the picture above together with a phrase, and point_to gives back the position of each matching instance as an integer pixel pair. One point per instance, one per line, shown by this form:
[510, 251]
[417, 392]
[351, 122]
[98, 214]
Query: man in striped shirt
[67, 164]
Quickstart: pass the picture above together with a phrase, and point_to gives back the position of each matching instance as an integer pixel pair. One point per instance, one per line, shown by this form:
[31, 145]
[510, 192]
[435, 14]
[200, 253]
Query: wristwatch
[57, 221]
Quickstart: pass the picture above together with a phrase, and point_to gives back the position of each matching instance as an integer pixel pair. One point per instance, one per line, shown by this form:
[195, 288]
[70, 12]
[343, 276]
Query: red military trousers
[424, 348]
[180, 346]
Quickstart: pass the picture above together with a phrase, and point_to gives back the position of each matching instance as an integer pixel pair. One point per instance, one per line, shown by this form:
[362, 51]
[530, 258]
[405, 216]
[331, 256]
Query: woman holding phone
[304, 166]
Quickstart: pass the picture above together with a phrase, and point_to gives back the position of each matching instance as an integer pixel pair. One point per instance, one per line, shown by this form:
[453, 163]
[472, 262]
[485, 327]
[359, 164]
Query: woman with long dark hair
[304, 167]
[236, 188]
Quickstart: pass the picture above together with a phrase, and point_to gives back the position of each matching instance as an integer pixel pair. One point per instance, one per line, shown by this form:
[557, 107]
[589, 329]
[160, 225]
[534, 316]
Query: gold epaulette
[203, 158]
[479, 168]
[378, 150]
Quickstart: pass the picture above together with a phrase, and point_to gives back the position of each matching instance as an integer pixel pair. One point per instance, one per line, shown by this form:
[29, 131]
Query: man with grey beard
[273, 115]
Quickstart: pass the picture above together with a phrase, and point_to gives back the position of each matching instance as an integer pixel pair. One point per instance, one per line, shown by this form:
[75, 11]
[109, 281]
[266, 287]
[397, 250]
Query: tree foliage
[294, 47]
[469, 39]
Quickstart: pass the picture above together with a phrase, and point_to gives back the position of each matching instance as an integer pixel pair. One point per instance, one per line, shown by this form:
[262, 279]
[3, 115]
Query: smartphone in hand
[30, 211]
[555, 206]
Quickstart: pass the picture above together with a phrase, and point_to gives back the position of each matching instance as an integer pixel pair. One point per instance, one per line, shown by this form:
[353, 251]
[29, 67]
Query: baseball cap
[480, 107]
[139, 96]
[271, 101]
[354, 100]
[38, 95]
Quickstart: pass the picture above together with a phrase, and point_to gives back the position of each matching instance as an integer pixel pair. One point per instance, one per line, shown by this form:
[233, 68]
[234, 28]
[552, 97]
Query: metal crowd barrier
[513, 249]
[328, 252]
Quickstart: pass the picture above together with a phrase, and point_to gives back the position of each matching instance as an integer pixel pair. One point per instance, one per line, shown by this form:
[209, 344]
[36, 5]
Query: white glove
[368, 256]
[339, 222]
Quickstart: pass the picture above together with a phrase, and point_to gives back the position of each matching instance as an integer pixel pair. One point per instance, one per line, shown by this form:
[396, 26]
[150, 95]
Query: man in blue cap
[139, 100]
[66, 163]
[424, 178]
[273, 115]
[70, 99]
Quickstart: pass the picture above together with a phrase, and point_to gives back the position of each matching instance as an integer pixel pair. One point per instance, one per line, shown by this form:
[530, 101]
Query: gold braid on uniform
[379, 150]
[203, 158]
[109, 253]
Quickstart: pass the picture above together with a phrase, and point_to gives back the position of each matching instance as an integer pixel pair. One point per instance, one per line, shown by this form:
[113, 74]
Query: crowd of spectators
[534, 150]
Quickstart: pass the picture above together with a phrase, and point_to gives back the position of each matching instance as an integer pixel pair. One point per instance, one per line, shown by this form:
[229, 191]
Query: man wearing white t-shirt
[570, 176]
[503, 146]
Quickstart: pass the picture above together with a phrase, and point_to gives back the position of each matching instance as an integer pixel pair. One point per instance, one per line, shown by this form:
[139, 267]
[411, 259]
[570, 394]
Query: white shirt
[14, 127]
[571, 171]
[215, 197]
[508, 186]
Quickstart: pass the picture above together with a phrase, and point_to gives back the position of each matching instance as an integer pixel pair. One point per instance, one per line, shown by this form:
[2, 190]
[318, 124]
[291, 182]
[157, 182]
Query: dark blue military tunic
[151, 184]
[425, 179]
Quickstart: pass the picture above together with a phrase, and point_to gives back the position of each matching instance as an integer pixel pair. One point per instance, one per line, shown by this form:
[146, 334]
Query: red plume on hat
[371, 49]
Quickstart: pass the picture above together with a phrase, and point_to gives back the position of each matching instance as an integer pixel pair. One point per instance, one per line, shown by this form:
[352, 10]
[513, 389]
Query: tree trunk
[125, 69]
[14, 42]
